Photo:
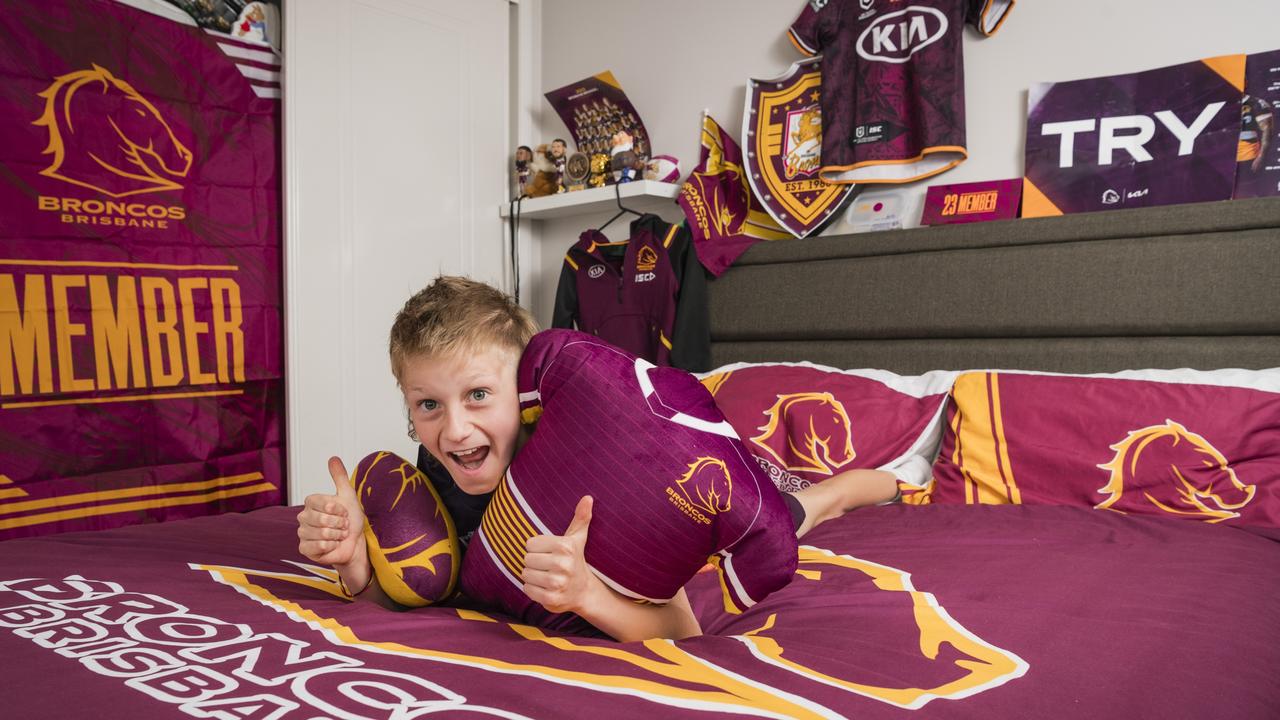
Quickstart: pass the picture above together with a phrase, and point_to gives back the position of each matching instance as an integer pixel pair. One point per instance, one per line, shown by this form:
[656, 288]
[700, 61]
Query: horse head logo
[809, 127]
[1175, 470]
[646, 259]
[707, 485]
[105, 136]
[808, 432]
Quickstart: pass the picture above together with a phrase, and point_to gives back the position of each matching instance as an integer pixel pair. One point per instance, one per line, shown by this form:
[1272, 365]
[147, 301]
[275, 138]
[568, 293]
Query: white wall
[676, 57]
[396, 121]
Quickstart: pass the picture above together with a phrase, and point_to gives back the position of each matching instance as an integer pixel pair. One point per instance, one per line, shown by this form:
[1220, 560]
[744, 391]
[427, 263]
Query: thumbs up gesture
[330, 527]
[555, 569]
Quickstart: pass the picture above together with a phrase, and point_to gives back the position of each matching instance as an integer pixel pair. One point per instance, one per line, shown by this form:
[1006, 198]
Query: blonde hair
[456, 315]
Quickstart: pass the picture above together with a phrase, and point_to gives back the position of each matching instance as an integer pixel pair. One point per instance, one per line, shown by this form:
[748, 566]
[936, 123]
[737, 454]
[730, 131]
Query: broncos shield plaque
[782, 131]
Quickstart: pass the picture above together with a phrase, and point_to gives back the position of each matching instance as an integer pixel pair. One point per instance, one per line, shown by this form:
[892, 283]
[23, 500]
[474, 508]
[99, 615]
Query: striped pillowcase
[1194, 445]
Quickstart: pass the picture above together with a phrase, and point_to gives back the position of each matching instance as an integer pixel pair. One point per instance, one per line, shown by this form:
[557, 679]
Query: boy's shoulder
[549, 344]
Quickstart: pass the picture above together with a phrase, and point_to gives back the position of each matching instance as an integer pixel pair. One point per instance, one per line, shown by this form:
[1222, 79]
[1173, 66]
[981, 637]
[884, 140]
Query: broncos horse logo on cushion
[808, 432]
[105, 136]
[707, 486]
[1177, 472]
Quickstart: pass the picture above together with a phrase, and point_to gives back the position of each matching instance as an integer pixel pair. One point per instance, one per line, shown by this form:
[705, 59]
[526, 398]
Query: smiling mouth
[471, 459]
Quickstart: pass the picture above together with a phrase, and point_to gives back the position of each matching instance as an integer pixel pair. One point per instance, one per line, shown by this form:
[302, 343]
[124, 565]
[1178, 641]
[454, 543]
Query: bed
[971, 601]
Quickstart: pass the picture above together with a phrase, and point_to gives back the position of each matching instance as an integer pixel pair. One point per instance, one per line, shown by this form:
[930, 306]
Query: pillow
[805, 423]
[1200, 446]
[413, 546]
[672, 485]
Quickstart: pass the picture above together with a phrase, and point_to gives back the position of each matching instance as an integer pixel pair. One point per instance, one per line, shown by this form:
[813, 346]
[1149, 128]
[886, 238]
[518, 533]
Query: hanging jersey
[647, 294]
[671, 482]
[1254, 113]
[892, 83]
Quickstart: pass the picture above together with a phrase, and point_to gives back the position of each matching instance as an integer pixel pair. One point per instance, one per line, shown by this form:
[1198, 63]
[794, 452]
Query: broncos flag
[141, 344]
[724, 216]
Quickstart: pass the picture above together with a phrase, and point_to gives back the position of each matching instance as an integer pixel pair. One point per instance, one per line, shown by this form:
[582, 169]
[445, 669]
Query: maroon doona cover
[959, 611]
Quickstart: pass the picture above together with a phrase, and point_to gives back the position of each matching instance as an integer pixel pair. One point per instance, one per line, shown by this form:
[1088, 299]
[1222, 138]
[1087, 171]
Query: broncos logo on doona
[808, 432]
[105, 136]
[1170, 469]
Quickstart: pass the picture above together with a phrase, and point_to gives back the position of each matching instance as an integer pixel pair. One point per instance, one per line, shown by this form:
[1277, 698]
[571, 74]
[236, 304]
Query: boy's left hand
[555, 569]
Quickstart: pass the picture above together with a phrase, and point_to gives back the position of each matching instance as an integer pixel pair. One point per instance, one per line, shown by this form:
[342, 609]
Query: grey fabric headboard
[1180, 286]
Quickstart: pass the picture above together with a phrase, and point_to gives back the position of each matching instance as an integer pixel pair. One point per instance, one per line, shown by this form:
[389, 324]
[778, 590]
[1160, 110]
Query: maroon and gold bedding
[1007, 611]
[1198, 446]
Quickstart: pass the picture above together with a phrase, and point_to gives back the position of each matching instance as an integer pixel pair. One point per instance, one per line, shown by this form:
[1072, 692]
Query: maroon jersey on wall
[892, 83]
[673, 485]
[646, 294]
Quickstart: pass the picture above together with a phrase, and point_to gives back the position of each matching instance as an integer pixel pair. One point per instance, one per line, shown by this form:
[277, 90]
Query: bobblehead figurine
[524, 157]
[559, 156]
[626, 164]
[545, 178]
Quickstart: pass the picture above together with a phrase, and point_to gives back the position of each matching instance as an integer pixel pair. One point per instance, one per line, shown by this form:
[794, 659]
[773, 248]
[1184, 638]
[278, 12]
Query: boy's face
[466, 412]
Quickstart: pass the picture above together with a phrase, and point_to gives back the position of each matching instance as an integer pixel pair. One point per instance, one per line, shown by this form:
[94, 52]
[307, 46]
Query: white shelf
[638, 195]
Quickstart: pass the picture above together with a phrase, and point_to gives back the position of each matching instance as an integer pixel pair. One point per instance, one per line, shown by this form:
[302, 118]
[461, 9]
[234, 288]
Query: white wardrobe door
[395, 162]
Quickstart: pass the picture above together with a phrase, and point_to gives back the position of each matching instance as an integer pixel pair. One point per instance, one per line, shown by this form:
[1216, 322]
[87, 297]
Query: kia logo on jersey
[897, 36]
[595, 271]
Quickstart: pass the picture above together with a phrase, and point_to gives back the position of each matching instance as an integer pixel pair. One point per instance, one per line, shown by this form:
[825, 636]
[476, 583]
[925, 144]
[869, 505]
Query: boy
[455, 348]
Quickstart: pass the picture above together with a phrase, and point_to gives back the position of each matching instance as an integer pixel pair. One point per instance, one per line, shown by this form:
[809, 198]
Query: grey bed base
[1181, 286]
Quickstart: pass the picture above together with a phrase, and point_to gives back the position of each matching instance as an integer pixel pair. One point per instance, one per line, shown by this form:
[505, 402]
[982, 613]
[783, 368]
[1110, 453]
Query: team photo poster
[595, 109]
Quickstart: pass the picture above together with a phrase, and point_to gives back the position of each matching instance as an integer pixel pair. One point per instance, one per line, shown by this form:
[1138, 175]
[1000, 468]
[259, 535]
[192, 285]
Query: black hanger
[622, 209]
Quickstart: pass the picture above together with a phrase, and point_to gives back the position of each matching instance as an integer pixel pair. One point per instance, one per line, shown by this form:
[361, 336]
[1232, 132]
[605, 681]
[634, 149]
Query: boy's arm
[843, 492]
[556, 576]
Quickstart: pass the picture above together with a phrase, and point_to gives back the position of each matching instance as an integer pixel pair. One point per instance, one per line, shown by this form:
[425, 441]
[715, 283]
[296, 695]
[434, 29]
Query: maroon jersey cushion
[672, 484]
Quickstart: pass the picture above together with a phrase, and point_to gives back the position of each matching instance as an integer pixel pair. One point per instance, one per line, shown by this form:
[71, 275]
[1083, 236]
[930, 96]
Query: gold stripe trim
[518, 521]
[132, 506]
[10, 492]
[91, 497]
[510, 538]
[516, 531]
[496, 534]
[501, 539]
[791, 35]
[978, 437]
[122, 398]
[1002, 445]
[106, 264]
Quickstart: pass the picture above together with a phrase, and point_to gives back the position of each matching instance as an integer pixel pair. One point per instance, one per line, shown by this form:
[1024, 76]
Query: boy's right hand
[331, 527]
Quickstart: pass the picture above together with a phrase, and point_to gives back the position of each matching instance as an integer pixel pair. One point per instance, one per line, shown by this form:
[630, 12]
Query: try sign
[1151, 138]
